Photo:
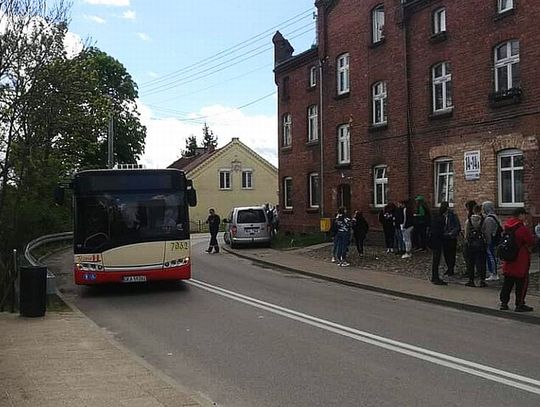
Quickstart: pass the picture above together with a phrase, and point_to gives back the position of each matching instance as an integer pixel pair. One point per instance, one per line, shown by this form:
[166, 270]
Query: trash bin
[33, 291]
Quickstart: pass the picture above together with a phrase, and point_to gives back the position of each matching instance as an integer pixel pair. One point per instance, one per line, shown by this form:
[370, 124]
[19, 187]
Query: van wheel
[233, 245]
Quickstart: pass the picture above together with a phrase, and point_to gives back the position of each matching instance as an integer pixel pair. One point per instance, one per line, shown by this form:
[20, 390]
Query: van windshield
[251, 216]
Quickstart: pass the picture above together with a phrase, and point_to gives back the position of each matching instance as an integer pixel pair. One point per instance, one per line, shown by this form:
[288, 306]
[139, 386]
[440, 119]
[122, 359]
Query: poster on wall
[472, 165]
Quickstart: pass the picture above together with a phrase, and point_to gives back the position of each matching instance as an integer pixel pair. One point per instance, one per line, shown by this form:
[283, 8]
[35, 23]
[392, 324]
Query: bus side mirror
[191, 194]
[59, 195]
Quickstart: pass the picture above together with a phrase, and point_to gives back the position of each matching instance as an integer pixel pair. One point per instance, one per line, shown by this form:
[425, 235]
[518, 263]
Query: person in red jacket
[516, 272]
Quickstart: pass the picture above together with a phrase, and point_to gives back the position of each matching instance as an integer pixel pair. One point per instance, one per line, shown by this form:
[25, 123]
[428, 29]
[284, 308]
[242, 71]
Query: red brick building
[406, 97]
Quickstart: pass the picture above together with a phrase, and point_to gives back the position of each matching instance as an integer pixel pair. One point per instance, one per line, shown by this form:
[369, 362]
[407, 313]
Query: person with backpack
[360, 228]
[475, 247]
[436, 244]
[514, 250]
[492, 234]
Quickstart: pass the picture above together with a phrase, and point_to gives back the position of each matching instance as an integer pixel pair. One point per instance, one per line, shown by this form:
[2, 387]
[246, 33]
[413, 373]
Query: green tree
[209, 139]
[191, 147]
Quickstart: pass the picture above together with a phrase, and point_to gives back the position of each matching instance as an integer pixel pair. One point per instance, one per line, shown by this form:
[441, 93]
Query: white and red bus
[131, 225]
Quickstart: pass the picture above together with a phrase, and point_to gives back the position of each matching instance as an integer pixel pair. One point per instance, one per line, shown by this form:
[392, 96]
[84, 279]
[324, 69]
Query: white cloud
[129, 15]
[152, 74]
[116, 3]
[166, 137]
[144, 36]
[95, 19]
[72, 44]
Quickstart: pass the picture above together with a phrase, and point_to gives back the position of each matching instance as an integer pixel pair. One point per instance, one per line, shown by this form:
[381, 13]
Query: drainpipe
[321, 139]
[410, 185]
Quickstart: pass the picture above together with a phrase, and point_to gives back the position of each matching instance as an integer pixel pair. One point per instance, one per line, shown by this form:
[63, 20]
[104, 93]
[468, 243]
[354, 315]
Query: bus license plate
[133, 279]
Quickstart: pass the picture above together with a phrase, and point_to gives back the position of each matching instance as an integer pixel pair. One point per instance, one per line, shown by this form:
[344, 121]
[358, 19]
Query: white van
[247, 225]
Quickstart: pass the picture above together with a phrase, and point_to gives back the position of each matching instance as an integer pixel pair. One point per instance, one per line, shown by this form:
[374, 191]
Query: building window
[312, 76]
[314, 190]
[287, 192]
[287, 130]
[285, 89]
[377, 19]
[507, 66]
[444, 181]
[313, 134]
[439, 21]
[344, 144]
[380, 186]
[510, 167]
[247, 179]
[505, 5]
[224, 179]
[442, 87]
[379, 103]
[343, 74]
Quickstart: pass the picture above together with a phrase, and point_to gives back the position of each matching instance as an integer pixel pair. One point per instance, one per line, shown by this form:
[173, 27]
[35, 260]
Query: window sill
[505, 97]
[312, 210]
[286, 149]
[377, 127]
[343, 166]
[507, 210]
[377, 44]
[311, 88]
[442, 114]
[342, 95]
[438, 37]
[287, 211]
[312, 143]
[503, 14]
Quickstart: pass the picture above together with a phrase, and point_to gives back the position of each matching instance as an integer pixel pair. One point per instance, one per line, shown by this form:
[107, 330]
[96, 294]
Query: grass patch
[285, 241]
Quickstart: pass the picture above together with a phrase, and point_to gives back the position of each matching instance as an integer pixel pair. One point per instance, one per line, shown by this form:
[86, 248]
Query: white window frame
[504, 5]
[343, 85]
[286, 122]
[503, 154]
[225, 181]
[443, 80]
[377, 23]
[313, 130]
[314, 196]
[380, 179]
[449, 176]
[344, 144]
[439, 20]
[379, 99]
[312, 76]
[507, 63]
[286, 197]
[247, 178]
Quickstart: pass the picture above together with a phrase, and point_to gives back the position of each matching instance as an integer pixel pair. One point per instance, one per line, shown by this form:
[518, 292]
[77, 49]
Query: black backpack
[508, 249]
[496, 238]
[475, 237]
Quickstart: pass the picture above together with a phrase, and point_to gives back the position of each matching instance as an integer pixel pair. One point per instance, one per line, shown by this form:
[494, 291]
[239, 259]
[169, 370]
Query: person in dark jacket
[386, 219]
[360, 228]
[436, 244]
[475, 247]
[407, 227]
[452, 228]
[213, 225]
[399, 244]
[343, 236]
[516, 272]
[422, 219]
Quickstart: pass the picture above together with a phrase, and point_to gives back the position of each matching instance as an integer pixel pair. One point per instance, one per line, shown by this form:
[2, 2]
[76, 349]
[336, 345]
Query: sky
[198, 61]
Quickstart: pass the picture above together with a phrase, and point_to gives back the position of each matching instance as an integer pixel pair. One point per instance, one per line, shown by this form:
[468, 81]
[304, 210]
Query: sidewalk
[64, 359]
[481, 300]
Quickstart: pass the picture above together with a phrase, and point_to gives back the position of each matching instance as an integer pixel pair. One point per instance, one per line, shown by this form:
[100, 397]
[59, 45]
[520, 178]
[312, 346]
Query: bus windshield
[109, 220]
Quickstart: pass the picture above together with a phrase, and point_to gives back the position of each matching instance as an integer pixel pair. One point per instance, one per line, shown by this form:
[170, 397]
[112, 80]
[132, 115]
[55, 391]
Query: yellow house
[233, 175]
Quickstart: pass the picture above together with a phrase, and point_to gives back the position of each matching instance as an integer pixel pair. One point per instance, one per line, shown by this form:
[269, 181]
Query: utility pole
[110, 140]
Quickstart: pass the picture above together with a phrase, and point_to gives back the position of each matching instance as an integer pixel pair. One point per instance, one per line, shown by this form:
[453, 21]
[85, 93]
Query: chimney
[283, 49]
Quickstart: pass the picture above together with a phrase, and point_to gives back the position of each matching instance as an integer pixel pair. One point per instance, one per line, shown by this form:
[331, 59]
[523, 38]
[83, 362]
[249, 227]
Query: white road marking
[487, 372]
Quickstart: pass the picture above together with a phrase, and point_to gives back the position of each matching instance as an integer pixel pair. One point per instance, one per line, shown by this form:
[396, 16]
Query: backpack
[475, 237]
[508, 249]
[496, 238]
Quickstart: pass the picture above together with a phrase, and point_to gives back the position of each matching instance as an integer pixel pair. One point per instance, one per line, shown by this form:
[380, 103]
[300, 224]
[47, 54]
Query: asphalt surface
[326, 345]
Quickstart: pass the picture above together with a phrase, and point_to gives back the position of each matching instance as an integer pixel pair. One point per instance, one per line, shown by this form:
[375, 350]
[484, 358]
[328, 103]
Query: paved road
[244, 335]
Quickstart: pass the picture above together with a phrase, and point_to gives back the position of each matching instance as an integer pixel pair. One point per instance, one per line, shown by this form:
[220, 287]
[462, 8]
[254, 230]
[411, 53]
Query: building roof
[187, 164]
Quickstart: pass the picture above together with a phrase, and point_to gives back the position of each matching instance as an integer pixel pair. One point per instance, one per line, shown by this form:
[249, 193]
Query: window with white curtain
[439, 21]
[507, 66]
[287, 130]
[313, 134]
[380, 186]
[377, 19]
[343, 74]
[379, 101]
[344, 144]
[441, 78]
[444, 181]
[510, 169]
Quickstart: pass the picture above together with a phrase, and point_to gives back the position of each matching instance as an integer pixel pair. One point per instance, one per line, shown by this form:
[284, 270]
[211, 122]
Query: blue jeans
[343, 240]
[491, 259]
[399, 245]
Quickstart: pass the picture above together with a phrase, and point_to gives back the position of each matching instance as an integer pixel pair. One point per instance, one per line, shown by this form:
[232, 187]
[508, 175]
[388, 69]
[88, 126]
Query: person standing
[452, 227]
[360, 228]
[399, 244]
[386, 219]
[343, 236]
[475, 247]
[492, 233]
[436, 244]
[407, 227]
[516, 272]
[213, 225]
[421, 222]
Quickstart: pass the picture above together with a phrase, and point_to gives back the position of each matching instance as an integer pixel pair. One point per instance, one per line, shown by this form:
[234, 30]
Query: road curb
[522, 317]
